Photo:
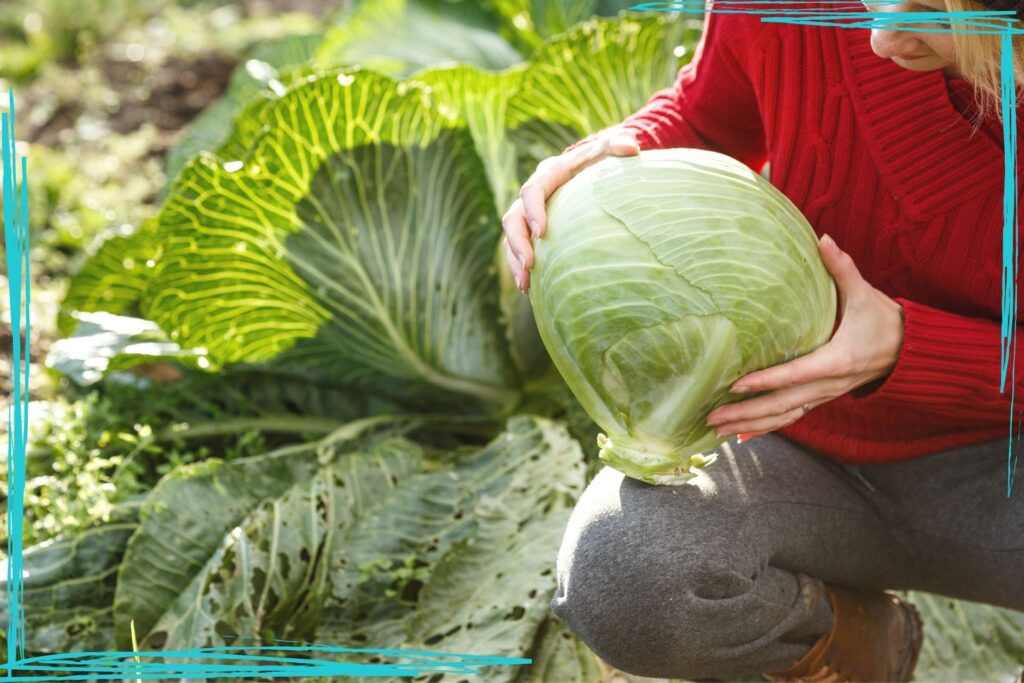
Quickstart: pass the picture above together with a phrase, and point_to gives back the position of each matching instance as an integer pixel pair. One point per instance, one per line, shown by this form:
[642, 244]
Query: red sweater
[885, 161]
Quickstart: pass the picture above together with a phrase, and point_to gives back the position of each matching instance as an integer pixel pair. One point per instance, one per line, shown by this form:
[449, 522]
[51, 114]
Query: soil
[167, 97]
[178, 90]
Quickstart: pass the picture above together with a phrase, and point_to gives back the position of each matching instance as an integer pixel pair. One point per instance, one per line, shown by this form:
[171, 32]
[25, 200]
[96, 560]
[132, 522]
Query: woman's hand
[527, 216]
[864, 348]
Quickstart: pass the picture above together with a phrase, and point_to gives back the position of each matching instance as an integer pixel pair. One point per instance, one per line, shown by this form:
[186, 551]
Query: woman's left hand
[864, 348]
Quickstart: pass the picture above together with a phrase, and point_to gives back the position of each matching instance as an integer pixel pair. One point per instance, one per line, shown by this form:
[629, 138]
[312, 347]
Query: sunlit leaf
[397, 37]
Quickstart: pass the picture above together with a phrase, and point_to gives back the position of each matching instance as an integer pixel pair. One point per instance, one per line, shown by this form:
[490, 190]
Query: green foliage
[397, 37]
[529, 23]
[184, 521]
[560, 656]
[114, 279]
[58, 30]
[262, 75]
[485, 544]
[966, 641]
[357, 197]
[371, 540]
[89, 452]
[591, 78]
[69, 588]
[99, 446]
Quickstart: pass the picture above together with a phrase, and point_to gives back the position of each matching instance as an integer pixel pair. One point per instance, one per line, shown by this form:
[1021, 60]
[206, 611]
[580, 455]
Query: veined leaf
[593, 77]
[482, 99]
[560, 656]
[184, 521]
[381, 547]
[348, 237]
[115, 277]
[269, 575]
[531, 22]
[357, 236]
[363, 34]
[477, 601]
[397, 37]
[461, 560]
[69, 588]
[262, 75]
[967, 641]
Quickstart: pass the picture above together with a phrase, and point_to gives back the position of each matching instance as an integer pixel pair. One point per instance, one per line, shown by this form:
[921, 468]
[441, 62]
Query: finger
[514, 265]
[844, 271]
[624, 143]
[551, 174]
[827, 361]
[765, 424]
[517, 234]
[776, 403]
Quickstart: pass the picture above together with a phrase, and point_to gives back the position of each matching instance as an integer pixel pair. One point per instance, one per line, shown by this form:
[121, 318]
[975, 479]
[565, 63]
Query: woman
[881, 459]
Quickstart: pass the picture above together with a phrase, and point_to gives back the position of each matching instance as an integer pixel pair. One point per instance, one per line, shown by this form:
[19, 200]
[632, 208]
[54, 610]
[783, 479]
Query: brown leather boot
[876, 637]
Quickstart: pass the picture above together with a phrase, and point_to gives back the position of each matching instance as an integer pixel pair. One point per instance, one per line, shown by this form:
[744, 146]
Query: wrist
[892, 349]
[896, 345]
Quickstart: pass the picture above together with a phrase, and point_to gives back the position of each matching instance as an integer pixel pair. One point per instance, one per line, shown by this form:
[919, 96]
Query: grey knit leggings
[725, 576]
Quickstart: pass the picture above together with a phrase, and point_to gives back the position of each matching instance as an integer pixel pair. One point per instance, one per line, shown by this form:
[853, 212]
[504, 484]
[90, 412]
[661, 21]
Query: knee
[646, 603]
[646, 625]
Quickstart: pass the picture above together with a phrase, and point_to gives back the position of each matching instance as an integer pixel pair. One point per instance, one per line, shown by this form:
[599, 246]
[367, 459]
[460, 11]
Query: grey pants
[725, 576]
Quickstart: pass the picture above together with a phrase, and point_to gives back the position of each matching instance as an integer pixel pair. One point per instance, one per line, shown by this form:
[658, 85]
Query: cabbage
[663, 278]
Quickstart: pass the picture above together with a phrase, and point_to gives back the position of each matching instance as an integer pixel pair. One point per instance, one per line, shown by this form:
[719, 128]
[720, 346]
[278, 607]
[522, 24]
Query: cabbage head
[662, 278]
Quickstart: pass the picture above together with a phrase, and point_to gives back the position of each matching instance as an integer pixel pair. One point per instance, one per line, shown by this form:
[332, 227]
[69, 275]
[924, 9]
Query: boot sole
[915, 638]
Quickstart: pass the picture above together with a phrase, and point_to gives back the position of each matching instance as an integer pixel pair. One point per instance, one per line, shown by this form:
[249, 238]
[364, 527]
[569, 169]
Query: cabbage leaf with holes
[662, 279]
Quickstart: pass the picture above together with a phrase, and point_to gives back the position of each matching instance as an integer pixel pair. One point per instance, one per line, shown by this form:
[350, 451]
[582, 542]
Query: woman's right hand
[526, 216]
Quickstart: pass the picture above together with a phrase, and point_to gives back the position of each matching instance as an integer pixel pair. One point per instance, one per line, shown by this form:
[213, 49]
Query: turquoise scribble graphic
[121, 665]
[224, 662]
[988, 22]
[15, 196]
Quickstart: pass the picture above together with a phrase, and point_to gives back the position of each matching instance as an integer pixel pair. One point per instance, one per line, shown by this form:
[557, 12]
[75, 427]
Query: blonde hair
[979, 60]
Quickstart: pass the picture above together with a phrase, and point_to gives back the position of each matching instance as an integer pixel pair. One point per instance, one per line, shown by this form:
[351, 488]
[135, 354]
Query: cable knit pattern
[890, 164]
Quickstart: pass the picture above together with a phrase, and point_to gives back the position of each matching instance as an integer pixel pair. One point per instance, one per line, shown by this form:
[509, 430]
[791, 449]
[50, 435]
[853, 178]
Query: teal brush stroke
[1010, 239]
[121, 665]
[16, 246]
[995, 22]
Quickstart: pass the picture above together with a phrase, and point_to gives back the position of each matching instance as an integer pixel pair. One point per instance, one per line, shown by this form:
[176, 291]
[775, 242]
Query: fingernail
[519, 283]
[747, 436]
[740, 389]
[827, 240]
[712, 421]
[522, 261]
[534, 227]
[721, 432]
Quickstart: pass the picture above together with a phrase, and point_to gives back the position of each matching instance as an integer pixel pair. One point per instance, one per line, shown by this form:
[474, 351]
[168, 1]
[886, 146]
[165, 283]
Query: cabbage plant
[662, 279]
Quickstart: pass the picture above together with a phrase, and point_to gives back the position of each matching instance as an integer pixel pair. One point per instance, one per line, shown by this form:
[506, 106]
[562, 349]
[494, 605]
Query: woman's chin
[922, 63]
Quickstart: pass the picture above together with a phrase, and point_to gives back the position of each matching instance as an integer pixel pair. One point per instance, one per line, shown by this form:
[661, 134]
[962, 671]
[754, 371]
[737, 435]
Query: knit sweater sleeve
[949, 365]
[712, 104]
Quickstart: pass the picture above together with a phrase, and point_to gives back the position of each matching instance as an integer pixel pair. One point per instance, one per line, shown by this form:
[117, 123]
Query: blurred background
[214, 359]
